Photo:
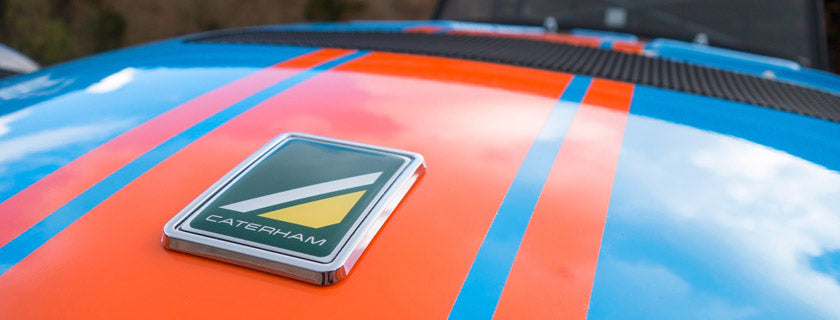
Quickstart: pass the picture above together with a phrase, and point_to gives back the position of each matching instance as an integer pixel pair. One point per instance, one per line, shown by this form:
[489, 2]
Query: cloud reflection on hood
[721, 223]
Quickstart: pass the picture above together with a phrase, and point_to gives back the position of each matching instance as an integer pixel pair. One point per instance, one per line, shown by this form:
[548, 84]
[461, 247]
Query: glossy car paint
[565, 231]
[708, 208]
[739, 225]
[764, 66]
[758, 65]
[489, 272]
[46, 227]
[43, 119]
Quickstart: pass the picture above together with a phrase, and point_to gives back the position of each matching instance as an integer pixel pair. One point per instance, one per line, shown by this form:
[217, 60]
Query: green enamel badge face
[302, 206]
[304, 198]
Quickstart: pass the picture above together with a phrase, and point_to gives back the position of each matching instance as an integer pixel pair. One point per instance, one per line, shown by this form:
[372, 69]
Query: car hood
[546, 194]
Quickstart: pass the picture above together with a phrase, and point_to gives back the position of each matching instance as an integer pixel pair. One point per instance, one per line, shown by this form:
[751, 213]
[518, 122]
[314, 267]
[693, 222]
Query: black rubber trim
[607, 64]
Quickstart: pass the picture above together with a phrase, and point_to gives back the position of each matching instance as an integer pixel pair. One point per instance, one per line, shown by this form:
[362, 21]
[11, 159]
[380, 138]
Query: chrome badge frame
[179, 236]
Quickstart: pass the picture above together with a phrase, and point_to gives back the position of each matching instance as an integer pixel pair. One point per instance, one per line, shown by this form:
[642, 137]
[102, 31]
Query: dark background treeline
[52, 31]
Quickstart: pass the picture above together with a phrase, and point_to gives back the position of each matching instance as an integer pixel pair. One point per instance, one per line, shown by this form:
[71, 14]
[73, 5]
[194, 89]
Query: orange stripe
[413, 269]
[454, 71]
[423, 29]
[628, 47]
[553, 272]
[550, 37]
[34, 203]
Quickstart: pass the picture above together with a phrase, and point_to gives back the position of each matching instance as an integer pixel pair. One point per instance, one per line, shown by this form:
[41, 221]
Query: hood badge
[303, 206]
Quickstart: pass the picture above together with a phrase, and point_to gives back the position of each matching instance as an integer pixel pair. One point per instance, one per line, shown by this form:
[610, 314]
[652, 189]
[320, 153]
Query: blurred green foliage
[48, 30]
[108, 30]
[330, 10]
[30, 27]
[52, 31]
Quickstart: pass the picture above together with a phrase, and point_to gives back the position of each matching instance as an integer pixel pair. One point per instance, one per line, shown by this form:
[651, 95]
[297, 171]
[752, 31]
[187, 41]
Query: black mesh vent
[655, 72]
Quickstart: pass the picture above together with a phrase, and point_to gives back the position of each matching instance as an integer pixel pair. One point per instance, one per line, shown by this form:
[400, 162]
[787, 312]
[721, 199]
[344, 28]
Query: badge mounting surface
[303, 206]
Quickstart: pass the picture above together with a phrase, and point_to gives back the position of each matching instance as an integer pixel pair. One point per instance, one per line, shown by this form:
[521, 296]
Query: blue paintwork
[776, 129]
[749, 63]
[50, 117]
[814, 78]
[704, 223]
[728, 59]
[603, 34]
[483, 287]
[828, 263]
[360, 25]
[491, 27]
[720, 209]
[393, 26]
[43, 231]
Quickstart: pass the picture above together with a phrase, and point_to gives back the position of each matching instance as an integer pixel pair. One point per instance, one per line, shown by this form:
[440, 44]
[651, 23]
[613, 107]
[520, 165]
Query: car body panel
[13, 62]
[744, 230]
[654, 202]
[114, 92]
[755, 64]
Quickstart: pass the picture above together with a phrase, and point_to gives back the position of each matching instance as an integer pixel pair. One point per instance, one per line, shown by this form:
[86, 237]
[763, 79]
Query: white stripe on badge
[303, 192]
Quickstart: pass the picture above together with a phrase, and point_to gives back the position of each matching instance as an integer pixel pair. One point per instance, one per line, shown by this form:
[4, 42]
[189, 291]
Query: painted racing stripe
[361, 100]
[628, 47]
[34, 203]
[41, 232]
[560, 249]
[486, 278]
[550, 37]
[75, 108]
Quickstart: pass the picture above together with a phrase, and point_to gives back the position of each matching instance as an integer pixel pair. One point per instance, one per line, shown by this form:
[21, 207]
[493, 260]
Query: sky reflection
[711, 226]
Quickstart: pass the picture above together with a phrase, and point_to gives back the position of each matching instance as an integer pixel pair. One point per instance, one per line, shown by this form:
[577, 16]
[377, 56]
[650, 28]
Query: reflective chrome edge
[277, 263]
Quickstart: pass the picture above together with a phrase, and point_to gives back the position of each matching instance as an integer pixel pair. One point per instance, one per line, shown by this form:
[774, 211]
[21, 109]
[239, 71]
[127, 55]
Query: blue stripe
[780, 130]
[487, 276]
[69, 121]
[14, 251]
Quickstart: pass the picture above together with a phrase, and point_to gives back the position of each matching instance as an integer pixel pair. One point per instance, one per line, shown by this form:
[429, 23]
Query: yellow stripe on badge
[314, 214]
[318, 213]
